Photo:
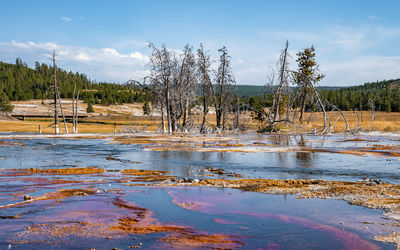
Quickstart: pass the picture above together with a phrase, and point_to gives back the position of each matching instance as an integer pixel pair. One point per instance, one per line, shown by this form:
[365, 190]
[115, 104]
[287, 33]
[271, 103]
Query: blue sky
[356, 41]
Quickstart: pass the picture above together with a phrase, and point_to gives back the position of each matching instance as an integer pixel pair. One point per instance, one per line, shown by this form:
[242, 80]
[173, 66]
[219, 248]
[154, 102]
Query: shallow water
[50, 153]
[237, 219]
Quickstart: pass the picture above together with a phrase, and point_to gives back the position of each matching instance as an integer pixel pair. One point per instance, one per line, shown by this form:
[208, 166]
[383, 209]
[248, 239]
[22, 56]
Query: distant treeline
[20, 82]
[381, 95]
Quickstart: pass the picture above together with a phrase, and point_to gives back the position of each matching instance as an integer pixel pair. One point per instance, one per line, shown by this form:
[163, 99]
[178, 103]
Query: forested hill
[256, 90]
[382, 95]
[20, 82]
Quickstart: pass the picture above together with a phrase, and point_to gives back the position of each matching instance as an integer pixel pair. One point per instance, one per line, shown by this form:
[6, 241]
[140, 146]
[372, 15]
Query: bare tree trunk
[185, 115]
[294, 115]
[205, 111]
[344, 117]
[56, 124]
[167, 100]
[224, 113]
[73, 110]
[303, 103]
[162, 118]
[221, 103]
[203, 123]
[218, 117]
[278, 94]
[320, 104]
[372, 116]
[358, 122]
[289, 106]
[206, 85]
[76, 112]
[62, 112]
[237, 108]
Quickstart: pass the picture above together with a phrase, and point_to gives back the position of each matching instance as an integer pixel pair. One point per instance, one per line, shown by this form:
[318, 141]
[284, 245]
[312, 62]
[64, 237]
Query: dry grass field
[130, 118]
[383, 121]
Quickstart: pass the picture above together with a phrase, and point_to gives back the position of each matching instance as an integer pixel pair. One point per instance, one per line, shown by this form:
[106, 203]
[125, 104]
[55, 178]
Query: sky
[355, 41]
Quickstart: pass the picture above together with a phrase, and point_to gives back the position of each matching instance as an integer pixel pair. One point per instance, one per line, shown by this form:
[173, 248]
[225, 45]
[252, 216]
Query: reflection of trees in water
[304, 158]
[298, 164]
[282, 140]
[221, 156]
[172, 161]
[204, 156]
[187, 163]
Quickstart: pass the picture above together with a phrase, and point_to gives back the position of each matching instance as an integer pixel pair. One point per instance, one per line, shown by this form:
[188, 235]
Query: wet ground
[89, 193]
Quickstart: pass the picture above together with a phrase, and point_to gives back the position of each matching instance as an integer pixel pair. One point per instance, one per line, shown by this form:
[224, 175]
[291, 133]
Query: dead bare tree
[75, 100]
[161, 78]
[73, 110]
[280, 89]
[55, 95]
[237, 111]
[281, 97]
[283, 82]
[174, 84]
[57, 99]
[371, 102]
[62, 113]
[76, 112]
[224, 79]
[184, 87]
[358, 128]
[207, 89]
[334, 107]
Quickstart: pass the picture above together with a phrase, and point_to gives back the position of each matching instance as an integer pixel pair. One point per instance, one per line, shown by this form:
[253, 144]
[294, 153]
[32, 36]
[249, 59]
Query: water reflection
[304, 158]
[44, 153]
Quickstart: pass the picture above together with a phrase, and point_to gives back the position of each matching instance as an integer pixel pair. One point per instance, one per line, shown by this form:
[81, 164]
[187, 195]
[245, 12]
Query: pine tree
[89, 108]
[307, 76]
[5, 105]
[146, 108]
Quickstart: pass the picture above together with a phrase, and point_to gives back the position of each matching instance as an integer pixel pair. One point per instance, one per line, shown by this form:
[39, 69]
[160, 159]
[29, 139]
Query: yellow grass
[27, 126]
[130, 115]
[383, 121]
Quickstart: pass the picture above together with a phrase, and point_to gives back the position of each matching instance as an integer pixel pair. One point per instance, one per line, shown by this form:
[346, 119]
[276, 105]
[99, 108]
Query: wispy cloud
[290, 35]
[67, 19]
[348, 38]
[373, 17]
[361, 69]
[365, 37]
[345, 54]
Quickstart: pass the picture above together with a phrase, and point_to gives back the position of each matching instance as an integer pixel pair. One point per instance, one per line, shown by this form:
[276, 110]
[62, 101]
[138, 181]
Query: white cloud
[373, 17]
[138, 55]
[81, 57]
[345, 55]
[105, 64]
[111, 51]
[67, 19]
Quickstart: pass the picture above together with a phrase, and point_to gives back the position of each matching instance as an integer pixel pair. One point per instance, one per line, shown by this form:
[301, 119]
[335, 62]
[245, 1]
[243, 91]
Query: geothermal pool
[101, 191]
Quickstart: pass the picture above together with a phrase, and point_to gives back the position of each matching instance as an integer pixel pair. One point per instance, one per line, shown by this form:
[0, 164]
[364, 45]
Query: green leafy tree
[89, 108]
[306, 76]
[5, 105]
[146, 108]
